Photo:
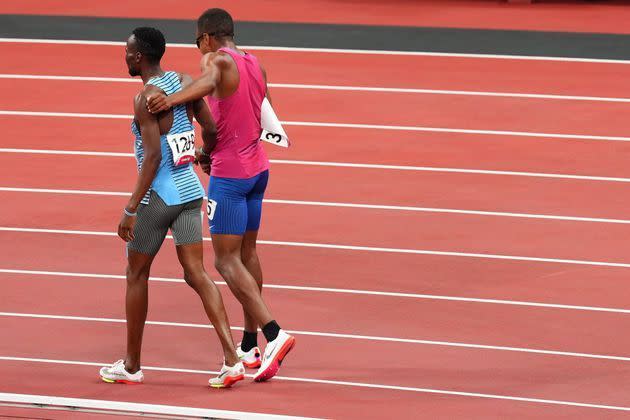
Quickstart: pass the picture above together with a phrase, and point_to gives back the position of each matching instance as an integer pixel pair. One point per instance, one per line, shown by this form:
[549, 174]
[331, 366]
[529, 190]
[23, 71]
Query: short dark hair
[151, 42]
[216, 21]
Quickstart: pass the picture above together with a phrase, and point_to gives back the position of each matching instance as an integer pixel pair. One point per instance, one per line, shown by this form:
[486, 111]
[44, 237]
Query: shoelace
[118, 364]
[119, 368]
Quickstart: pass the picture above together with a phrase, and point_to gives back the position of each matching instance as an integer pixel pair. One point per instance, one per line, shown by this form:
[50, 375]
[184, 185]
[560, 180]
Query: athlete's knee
[226, 264]
[248, 247]
[138, 267]
[190, 280]
[195, 276]
[137, 274]
[249, 255]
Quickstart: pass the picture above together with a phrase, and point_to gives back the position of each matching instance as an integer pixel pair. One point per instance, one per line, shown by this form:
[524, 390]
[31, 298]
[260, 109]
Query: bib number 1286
[182, 147]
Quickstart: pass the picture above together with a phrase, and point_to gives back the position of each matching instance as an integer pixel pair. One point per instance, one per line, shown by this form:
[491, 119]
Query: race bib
[212, 207]
[183, 147]
[272, 130]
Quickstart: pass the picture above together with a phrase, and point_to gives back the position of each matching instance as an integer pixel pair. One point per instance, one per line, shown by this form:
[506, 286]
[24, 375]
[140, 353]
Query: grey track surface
[474, 41]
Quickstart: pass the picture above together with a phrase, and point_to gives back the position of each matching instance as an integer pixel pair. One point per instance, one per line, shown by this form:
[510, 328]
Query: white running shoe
[250, 359]
[117, 373]
[228, 376]
[275, 352]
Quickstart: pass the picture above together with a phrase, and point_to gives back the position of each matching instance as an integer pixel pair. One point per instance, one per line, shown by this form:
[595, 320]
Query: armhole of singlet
[189, 105]
[239, 79]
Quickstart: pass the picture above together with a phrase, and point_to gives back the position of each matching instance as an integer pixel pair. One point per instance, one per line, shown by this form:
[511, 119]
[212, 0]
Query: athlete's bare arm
[150, 132]
[203, 117]
[208, 127]
[212, 67]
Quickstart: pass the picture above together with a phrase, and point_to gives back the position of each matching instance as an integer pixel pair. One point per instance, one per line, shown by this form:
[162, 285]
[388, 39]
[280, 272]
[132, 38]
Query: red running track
[388, 228]
[546, 196]
[453, 322]
[443, 111]
[472, 74]
[349, 145]
[433, 275]
[366, 359]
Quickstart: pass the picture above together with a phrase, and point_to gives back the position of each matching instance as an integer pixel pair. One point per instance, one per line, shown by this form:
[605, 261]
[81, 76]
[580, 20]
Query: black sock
[271, 330]
[250, 340]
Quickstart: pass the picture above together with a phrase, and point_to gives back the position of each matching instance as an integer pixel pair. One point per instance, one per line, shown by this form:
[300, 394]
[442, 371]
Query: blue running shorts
[235, 205]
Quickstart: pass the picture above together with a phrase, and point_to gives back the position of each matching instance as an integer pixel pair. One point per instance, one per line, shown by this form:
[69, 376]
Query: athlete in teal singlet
[167, 195]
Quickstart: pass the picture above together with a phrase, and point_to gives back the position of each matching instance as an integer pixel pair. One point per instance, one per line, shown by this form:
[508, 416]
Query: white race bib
[182, 147]
[272, 130]
[212, 207]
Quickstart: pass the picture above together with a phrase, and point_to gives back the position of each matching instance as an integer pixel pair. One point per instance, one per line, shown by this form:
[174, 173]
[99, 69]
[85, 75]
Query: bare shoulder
[140, 100]
[208, 59]
[217, 59]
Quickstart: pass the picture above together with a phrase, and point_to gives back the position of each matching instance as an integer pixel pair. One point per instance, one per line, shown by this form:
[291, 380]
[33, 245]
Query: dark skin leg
[136, 303]
[250, 260]
[227, 251]
[191, 258]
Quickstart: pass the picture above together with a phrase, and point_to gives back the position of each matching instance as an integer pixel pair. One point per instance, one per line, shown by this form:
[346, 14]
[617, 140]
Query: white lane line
[65, 114]
[296, 332]
[69, 78]
[211, 372]
[337, 290]
[450, 170]
[342, 88]
[267, 285]
[58, 191]
[335, 50]
[336, 335]
[460, 131]
[67, 152]
[353, 248]
[452, 92]
[342, 383]
[347, 125]
[448, 211]
[141, 409]
[347, 165]
[345, 205]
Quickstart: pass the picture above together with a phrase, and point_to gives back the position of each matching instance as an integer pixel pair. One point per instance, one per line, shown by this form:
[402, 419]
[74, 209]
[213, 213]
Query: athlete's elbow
[209, 135]
[153, 158]
[208, 132]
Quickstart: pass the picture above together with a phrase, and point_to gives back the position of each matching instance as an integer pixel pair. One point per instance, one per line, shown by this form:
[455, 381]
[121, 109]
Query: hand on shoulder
[156, 100]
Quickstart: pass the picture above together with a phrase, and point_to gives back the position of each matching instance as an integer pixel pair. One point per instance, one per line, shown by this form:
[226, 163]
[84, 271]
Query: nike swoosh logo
[270, 351]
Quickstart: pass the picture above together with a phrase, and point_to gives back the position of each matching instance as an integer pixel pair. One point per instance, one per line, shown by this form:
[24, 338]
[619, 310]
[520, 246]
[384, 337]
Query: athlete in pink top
[235, 84]
[239, 153]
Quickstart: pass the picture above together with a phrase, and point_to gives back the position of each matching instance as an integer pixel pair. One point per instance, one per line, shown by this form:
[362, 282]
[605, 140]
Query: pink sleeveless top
[239, 152]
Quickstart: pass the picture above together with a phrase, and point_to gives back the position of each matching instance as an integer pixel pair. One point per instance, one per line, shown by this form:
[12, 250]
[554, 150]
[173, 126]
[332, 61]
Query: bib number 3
[274, 138]
[182, 147]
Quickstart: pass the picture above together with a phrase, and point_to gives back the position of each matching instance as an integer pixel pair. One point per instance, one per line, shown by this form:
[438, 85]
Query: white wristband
[128, 213]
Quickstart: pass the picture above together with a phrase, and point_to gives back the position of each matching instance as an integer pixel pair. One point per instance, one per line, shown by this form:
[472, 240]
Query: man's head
[145, 47]
[213, 27]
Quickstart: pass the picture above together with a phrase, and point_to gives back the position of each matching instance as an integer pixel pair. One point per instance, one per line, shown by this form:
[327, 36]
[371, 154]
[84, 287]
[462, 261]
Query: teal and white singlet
[175, 182]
